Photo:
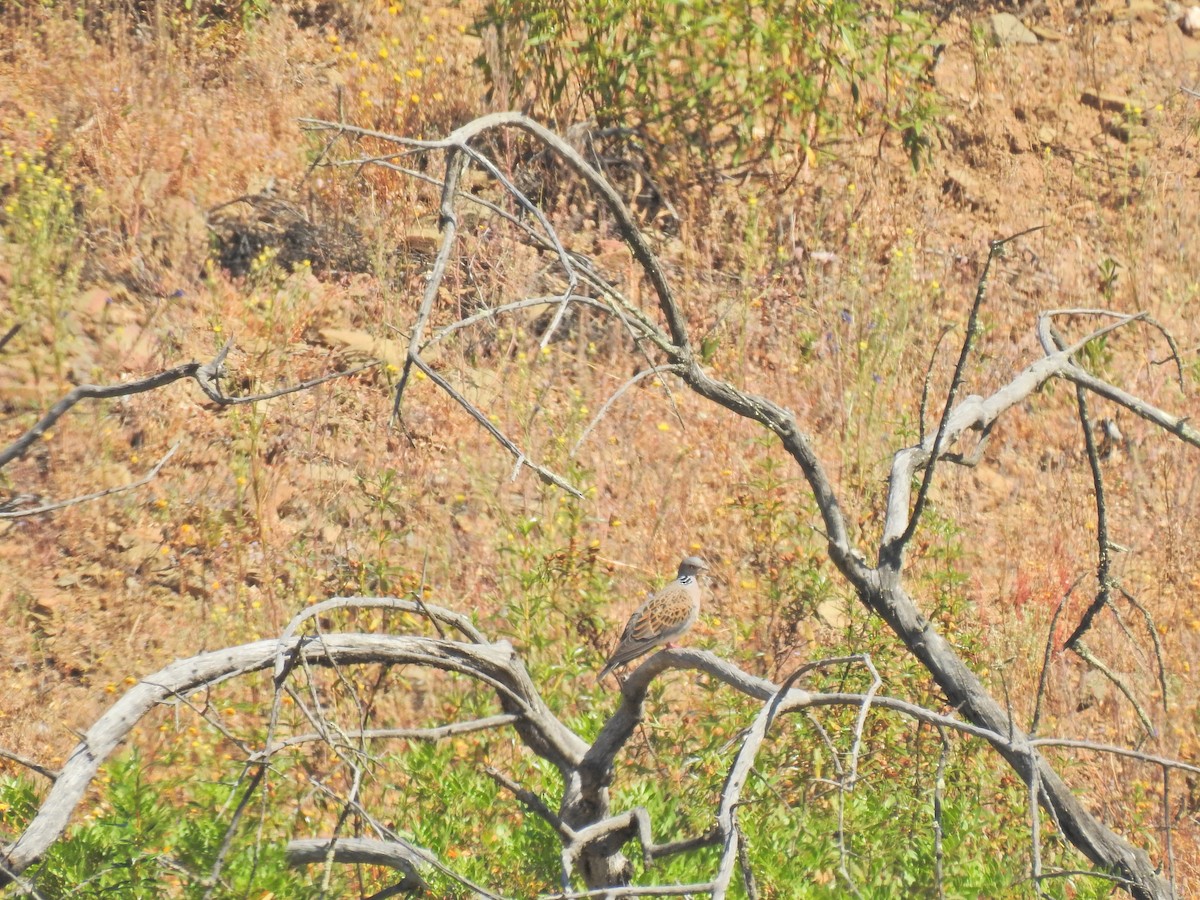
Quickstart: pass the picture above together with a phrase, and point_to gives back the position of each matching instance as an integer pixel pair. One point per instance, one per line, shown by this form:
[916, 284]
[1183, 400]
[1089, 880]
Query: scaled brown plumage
[662, 618]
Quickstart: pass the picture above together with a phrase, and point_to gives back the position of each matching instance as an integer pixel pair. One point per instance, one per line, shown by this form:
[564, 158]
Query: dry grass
[267, 509]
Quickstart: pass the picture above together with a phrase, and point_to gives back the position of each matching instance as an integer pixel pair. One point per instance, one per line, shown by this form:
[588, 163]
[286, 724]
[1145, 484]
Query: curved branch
[93, 392]
[529, 302]
[30, 764]
[584, 769]
[397, 855]
[731, 795]
[496, 121]
[436, 733]
[537, 726]
[1177, 425]
[616, 395]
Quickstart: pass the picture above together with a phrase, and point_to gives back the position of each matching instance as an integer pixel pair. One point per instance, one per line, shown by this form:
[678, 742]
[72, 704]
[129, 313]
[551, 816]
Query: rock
[1005, 28]
[963, 186]
[1047, 34]
[1127, 106]
[356, 347]
[422, 241]
[1017, 142]
[1128, 133]
[1189, 21]
[834, 614]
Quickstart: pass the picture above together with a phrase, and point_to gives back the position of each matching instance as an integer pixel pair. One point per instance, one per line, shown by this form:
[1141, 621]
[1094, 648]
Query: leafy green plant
[726, 82]
[136, 843]
[1108, 271]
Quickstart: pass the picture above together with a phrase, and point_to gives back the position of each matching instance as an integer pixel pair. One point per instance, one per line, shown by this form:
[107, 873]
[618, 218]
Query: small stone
[963, 186]
[1047, 34]
[1008, 29]
[1189, 21]
[1117, 103]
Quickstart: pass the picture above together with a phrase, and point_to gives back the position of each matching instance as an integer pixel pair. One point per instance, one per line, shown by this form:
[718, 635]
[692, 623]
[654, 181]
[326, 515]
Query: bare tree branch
[206, 376]
[1118, 682]
[392, 854]
[880, 589]
[590, 835]
[426, 856]
[9, 335]
[616, 395]
[587, 770]
[451, 729]
[32, 765]
[92, 392]
[86, 498]
[895, 548]
[1047, 654]
[939, 790]
[492, 662]
[247, 793]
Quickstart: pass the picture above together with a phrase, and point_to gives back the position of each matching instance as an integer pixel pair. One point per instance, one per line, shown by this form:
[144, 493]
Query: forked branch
[592, 837]
[881, 587]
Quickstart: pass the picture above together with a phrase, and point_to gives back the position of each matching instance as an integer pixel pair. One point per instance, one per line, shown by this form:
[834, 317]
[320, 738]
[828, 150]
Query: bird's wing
[662, 616]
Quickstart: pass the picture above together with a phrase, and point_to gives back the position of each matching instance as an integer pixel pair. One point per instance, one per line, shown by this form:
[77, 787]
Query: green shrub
[724, 83]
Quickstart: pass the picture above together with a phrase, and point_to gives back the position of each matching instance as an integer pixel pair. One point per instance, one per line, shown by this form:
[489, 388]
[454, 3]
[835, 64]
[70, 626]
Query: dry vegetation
[126, 145]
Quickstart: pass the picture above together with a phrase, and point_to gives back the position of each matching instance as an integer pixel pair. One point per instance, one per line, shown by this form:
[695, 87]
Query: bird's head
[691, 565]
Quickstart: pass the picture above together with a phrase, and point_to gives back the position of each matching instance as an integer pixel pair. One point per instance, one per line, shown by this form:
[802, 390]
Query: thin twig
[92, 392]
[436, 733]
[9, 335]
[501, 438]
[1156, 642]
[1047, 653]
[939, 791]
[455, 164]
[1164, 762]
[231, 829]
[206, 376]
[1126, 319]
[531, 800]
[658, 890]
[616, 395]
[424, 855]
[895, 549]
[86, 498]
[1092, 660]
[1103, 559]
[32, 765]
[925, 385]
[1033, 796]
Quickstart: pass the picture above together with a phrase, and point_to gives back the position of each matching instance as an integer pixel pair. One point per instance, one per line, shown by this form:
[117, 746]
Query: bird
[662, 618]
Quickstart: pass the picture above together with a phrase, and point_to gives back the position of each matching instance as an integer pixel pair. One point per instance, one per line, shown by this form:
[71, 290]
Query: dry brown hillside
[158, 197]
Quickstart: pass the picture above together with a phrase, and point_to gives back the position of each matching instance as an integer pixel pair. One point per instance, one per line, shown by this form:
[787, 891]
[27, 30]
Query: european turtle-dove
[662, 618]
